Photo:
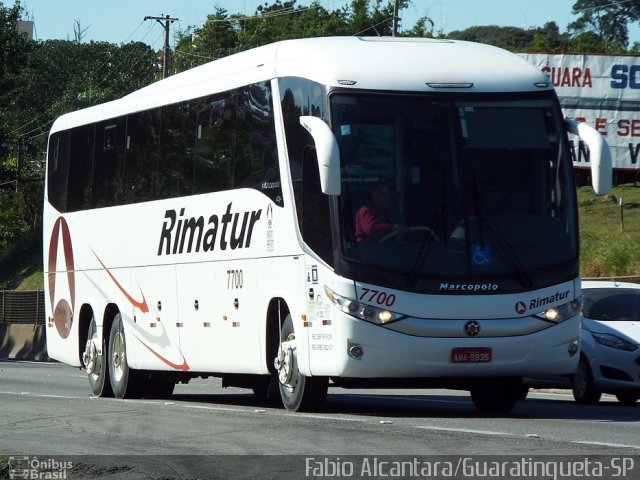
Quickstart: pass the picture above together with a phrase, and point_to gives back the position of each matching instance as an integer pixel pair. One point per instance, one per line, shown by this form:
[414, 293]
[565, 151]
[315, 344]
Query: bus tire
[496, 396]
[125, 382]
[297, 391]
[95, 364]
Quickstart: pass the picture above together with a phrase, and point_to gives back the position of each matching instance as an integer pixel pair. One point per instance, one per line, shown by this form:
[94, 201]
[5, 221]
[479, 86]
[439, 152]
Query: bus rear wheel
[95, 362]
[125, 382]
[297, 391]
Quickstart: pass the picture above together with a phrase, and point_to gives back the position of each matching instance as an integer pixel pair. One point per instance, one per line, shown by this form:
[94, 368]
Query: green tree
[590, 42]
[217, 38]
[37, 84]
[423, 28]
[608, 20]
[14, 52]
[548, 39]
[224, 34]
[286, 20]
[509, 38]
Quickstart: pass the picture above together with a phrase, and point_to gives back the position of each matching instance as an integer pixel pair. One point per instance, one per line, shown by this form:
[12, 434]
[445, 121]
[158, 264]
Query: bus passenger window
[256, 161]
[215, 128]
[80, 166]
[141, 155]
[107, 163]
[58, 170]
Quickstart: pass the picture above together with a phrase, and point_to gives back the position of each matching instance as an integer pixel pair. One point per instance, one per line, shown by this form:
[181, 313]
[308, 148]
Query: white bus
[206, 225]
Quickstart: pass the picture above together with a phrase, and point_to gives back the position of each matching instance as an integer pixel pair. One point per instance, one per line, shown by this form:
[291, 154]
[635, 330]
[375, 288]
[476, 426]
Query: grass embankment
[21, 266]
[4, 468]
[609, 234]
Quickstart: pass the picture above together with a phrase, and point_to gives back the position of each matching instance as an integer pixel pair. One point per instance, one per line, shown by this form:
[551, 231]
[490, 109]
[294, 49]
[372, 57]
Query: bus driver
[373, 220]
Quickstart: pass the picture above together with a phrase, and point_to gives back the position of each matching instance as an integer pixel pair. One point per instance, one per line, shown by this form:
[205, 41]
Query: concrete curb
[21, 341]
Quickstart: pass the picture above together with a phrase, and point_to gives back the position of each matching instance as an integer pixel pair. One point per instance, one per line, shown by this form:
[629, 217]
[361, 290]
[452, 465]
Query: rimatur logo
[62, 311]
[520, 308]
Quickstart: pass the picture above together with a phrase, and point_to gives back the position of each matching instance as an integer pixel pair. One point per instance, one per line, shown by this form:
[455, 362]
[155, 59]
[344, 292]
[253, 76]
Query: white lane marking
[465, 430]
[606, 444]
[529, 435]
[28, 394]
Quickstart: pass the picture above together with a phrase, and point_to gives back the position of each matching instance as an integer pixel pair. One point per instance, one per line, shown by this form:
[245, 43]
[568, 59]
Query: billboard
[604, 91]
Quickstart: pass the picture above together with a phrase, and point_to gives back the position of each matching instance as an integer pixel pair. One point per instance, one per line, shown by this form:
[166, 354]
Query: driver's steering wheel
[395, 233]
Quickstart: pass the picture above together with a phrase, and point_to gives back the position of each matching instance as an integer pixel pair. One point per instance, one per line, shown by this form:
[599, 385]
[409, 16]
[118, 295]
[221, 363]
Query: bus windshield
[462, 188]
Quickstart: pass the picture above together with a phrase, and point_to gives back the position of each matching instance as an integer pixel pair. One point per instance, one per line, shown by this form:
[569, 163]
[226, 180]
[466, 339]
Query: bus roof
[374, 63]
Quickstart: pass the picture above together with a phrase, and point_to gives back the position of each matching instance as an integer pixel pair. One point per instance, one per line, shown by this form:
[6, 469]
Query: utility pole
[18, 162]
[395, 18]
[165, 21]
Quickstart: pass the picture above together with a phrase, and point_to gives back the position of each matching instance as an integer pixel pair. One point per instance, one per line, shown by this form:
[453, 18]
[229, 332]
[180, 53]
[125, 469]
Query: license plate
[471, 355]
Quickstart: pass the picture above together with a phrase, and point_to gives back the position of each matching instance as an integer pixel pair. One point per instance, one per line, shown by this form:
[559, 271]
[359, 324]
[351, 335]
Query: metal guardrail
[22, 306]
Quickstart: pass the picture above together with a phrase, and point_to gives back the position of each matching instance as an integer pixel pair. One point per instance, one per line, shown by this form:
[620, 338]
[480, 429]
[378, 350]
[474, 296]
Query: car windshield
[612, 304]
[454, 188]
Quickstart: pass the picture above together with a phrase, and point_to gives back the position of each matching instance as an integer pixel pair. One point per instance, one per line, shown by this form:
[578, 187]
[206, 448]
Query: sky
[122, 21]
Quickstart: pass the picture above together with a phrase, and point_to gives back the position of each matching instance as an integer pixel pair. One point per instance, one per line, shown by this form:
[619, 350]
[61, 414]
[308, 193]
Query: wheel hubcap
[118, 356]
[285, 363]
[89, 356]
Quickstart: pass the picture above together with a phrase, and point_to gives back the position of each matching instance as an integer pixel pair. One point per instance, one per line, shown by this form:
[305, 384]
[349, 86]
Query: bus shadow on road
[349, 402]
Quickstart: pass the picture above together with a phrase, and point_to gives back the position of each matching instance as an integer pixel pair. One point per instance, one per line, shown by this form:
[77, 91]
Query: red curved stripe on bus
[142, 305]
[53, 253]
[61, 226]
[184, 366]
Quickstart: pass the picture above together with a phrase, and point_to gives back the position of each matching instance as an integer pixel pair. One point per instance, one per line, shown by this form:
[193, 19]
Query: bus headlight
[561, 312]
[362, 311]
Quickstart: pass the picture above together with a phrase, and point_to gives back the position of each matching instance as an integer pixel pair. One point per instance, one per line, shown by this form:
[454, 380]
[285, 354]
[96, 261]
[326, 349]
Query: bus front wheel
[297, 391]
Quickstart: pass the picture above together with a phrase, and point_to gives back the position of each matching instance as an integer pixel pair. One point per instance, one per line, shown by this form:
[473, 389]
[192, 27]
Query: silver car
[610, 343]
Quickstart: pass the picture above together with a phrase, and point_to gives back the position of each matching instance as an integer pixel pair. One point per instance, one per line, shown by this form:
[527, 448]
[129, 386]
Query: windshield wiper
[426, 244]
[510, 257]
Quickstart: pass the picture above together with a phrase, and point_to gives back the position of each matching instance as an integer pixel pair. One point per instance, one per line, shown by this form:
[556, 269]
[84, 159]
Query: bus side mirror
[327, 152]
[599, 155]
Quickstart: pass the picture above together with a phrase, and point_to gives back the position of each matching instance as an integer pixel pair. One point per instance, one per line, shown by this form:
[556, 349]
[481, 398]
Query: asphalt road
[204, 431]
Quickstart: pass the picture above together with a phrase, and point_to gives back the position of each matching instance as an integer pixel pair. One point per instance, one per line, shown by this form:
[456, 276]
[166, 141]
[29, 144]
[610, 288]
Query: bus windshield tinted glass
[454, 188]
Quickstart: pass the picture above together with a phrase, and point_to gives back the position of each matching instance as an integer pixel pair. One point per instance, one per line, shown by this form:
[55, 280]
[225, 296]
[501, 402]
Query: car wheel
[584, 389]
